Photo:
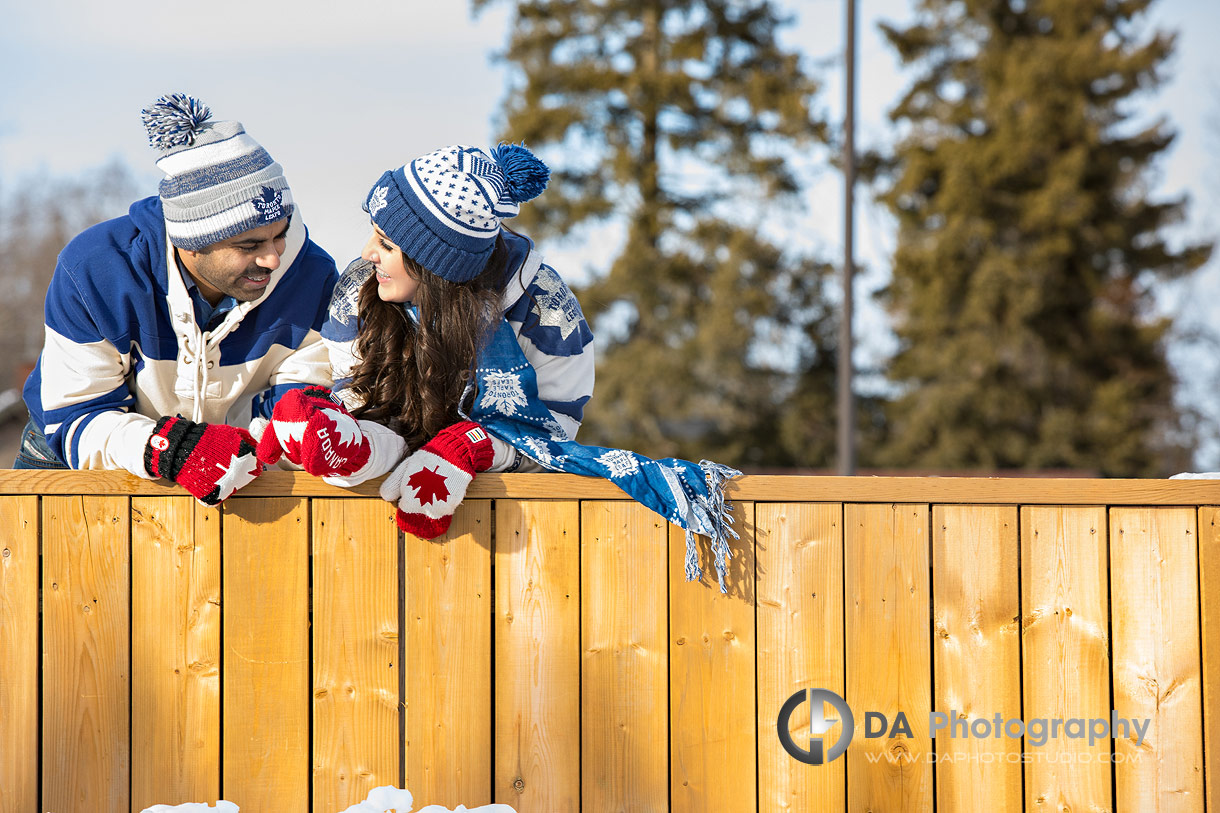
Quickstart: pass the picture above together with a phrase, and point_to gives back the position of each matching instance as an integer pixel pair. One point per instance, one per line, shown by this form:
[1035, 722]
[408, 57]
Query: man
[173, 330]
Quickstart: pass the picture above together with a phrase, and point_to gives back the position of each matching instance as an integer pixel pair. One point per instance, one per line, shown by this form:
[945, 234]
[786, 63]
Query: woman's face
[394, 282]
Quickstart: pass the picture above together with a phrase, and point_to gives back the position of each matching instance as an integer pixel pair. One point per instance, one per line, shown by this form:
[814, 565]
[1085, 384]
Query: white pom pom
[174, 120]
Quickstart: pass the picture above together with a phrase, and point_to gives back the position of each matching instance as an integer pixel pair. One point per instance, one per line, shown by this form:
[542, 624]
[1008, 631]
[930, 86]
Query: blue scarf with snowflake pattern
[687, 494]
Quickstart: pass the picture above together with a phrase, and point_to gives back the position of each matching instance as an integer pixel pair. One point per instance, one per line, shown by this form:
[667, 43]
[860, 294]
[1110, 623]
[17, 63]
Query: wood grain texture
[1066, 664]
[889, 668]
[86, 737]
[448, 662]
[799, 549]
[355, 651]
[265, 753]
[713, 744]
[1154, 574]
[976, 633]
[1209, 617]
[624, 688]
[19, 532]
[594, 703]
[769, 488]
[175, 669]
[537, 645]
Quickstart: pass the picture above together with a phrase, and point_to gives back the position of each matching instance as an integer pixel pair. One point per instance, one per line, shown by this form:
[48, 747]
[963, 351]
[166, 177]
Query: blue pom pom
[526, 175]
[174, 120]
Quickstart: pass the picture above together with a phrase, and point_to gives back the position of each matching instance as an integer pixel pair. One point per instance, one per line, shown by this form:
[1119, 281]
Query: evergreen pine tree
[678, 120]
[1028, 245]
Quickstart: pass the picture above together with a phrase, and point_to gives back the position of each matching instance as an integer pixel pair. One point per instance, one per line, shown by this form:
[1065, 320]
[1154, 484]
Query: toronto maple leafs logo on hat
[270, 205]
[377, 201]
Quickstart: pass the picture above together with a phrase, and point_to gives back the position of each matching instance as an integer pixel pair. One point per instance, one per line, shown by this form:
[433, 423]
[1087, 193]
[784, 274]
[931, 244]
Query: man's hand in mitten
[316, 433]
[210, 460]
[430, 484]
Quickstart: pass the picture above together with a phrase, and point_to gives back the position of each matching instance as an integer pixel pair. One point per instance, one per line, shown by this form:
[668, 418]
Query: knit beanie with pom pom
[219, 182]
[444, 209]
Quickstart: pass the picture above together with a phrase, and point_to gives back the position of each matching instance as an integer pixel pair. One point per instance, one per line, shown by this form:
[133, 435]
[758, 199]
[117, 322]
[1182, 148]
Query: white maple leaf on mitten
[345, 425]
[289, 430]
[240, 471]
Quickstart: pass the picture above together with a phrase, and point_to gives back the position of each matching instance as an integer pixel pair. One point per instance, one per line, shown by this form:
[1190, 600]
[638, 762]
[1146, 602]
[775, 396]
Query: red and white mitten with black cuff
[431, 483]
[210, 460]
[314, 431]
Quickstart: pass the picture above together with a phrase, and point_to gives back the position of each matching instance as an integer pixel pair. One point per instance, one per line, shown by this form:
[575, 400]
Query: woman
[452, 338]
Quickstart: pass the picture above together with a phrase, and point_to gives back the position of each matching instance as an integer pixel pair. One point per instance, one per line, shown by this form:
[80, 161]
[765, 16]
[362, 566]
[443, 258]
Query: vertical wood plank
[355, 651]
[448, 661]
[19, 650]
[976, 629]
[800, 646]
[713, 742]
[266, 653]
[624, 693]
[537, 640]
[1209, 614]
[175, 659]
[86, 746]
[1066, 669]
[889, 667]
[1154, 570]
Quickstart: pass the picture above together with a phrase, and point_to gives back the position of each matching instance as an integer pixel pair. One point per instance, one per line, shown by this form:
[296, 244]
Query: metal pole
[847, 401]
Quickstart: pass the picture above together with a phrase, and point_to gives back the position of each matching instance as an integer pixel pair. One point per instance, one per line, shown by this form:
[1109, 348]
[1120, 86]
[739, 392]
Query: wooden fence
[292, 650]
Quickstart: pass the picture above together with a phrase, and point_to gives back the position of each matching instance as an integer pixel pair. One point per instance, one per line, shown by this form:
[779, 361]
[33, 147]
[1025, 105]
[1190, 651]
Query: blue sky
[339, 92]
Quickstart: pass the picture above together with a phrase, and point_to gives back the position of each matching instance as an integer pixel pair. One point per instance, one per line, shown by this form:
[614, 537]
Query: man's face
[240, 266]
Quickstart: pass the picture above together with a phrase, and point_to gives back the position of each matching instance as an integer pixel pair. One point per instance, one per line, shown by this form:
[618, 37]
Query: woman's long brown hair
[410, 377]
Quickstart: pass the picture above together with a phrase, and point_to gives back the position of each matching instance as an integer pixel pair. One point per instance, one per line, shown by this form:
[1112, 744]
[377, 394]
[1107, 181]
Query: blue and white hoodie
[123, 349]
[550, 329]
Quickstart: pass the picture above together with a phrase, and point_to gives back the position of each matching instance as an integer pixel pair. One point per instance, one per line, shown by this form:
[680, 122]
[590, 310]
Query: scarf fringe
[711, 516]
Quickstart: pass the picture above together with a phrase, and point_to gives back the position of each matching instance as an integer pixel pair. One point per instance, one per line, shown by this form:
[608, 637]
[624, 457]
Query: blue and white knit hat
[219, 182]
[444, 209]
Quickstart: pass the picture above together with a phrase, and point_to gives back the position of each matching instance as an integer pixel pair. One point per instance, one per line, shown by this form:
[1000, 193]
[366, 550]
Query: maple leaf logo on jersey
[429, 486]
[348, 429]
[556, 305]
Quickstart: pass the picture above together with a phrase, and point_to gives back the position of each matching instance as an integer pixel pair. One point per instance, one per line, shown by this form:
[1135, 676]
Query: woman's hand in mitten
[316, 432]
[430, 484]
[210, 460]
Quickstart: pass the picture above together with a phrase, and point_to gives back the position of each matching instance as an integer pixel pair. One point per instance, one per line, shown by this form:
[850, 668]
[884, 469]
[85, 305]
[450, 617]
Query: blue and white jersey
[543, 312]
[123, 347]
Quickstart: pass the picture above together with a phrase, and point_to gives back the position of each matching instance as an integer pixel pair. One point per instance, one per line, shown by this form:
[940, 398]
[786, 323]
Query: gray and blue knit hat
[219, 182]
[444, 209]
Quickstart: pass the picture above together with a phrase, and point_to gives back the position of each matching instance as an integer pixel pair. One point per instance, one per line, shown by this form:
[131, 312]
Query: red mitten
[210, 460]
[316, 433]
[430, 484]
